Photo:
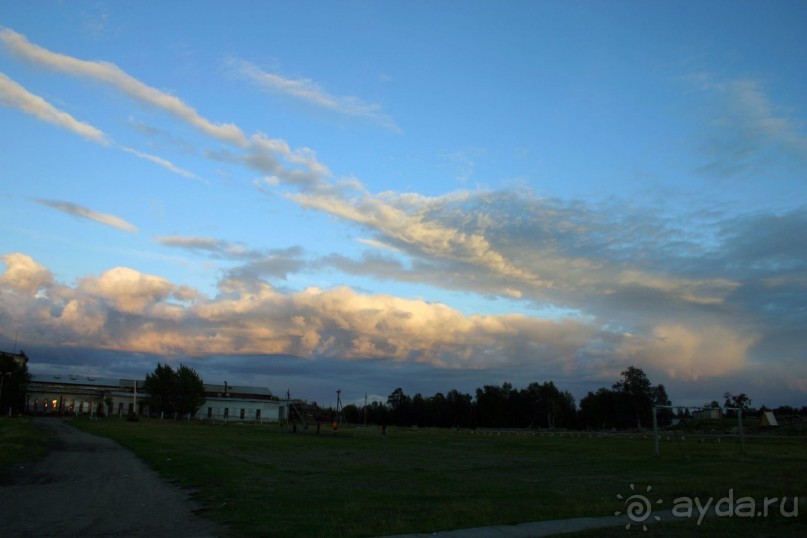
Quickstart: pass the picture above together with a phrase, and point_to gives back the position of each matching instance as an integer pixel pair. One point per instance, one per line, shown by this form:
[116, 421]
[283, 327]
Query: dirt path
[91, 486]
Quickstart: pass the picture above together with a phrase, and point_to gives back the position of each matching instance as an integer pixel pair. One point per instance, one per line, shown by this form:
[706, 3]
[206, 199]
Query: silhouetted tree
[628, 404]
[637, 395]
[174, 392]
[400, 408]
[664, 415]
[740, 401]
[14, 377]
[190, 390]
[460, 408]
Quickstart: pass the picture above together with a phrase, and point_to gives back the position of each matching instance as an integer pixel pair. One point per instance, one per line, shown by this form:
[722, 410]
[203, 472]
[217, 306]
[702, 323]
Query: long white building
[70, 394]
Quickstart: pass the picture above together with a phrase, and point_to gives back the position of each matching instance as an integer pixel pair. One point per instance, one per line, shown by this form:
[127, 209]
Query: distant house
[708, 413]
[71, 394]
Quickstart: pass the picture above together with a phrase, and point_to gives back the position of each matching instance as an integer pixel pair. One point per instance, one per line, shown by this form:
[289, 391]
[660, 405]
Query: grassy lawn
[264, 482]
[20, 441]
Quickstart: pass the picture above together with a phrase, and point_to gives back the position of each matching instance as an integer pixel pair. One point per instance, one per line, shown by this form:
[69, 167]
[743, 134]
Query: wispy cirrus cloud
[218, 248]
[165, 163]
[310, 92]
[748, 129]
[260, 152]
[16, 96]
[111, 74]
[82, 212]
[255, 264]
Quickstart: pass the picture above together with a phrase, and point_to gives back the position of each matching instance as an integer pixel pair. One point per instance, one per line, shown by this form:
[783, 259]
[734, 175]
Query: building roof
[238, 389]
[116, 383]
[74, 379]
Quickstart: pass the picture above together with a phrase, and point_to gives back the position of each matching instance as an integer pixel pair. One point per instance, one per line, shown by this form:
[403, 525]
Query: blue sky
[430, 195]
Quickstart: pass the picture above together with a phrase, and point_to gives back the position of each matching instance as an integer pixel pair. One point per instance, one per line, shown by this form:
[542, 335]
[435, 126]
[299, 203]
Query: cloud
[406, 225]
[127, 310]
[168, 165]
[126, 290]
[217, 247]
[85, 213]
[748, 129]
[24, 275]
[111, 74]
[692, 352]
[271, 156]
[514, 244]
[14, 95]
[309, 92]
[279, 162]
[256, 264]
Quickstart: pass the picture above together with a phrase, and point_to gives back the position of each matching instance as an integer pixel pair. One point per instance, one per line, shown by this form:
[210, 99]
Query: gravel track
[92, 486]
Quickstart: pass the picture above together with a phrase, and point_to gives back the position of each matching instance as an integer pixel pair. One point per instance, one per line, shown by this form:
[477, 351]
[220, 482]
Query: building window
[242, 414]
[209, 412]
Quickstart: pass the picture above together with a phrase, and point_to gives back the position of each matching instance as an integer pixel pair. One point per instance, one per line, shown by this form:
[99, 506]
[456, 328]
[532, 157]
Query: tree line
[627, 404]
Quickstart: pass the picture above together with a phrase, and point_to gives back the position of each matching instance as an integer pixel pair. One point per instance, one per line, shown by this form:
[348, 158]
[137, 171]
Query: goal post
[656, 433]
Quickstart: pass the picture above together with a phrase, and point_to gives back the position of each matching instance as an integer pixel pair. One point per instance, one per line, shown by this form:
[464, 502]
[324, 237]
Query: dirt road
[91, 486]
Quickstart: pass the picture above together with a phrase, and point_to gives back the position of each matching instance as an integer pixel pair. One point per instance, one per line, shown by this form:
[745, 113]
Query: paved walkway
[527, 530]
[91, 486]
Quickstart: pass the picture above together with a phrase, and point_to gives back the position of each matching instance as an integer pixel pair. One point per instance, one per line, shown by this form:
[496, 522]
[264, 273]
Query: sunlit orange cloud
[123, 309]
[692, 352]
[127, 310]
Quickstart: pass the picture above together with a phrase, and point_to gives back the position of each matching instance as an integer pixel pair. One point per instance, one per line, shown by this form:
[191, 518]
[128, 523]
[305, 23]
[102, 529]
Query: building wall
[78, 401]
[68, 395]
[241, 409]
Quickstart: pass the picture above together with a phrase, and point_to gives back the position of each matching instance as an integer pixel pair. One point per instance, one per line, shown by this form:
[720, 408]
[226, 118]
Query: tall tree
[162, 388]
[638, 394]
[400, 408]
[741, 401]
[190, 390]
[628, 404]
[175, 392]
[14, 379]
[663, 415]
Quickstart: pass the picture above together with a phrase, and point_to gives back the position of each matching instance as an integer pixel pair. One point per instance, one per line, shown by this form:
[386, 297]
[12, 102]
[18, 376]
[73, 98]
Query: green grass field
[20, 441]
[264, 482]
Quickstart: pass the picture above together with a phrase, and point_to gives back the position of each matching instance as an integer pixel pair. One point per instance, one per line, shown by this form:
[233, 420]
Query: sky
[360, 196]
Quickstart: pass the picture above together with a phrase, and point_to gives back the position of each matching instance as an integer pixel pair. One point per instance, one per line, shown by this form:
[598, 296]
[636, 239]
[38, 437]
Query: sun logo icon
[637, 507]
